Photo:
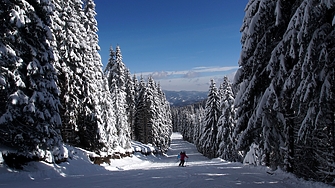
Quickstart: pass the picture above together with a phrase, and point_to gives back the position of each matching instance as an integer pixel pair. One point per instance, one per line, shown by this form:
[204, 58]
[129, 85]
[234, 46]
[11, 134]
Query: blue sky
[182, 43]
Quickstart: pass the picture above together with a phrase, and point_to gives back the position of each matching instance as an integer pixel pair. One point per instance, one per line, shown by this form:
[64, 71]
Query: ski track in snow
[150, 171]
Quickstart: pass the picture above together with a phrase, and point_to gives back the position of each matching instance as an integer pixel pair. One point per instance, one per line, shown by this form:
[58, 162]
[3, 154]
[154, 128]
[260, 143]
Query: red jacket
[182, 156]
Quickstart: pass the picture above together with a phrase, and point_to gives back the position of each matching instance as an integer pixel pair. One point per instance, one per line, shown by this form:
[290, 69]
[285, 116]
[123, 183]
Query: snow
[251, 156]
[149, 171]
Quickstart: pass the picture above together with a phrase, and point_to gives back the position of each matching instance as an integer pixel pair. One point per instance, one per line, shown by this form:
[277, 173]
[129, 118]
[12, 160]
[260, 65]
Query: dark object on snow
[182, 158]
[17, 161]
[271, 173]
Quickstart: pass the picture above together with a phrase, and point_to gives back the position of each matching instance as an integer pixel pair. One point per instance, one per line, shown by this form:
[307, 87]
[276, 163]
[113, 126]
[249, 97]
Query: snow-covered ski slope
[150, 172]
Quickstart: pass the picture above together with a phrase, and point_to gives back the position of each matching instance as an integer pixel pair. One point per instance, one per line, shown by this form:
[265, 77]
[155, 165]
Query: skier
[182, 158]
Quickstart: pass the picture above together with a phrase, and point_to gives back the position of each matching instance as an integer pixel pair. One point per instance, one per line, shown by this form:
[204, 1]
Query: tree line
[210, 124]
[53, 90]
[282, 113]
[278, 112]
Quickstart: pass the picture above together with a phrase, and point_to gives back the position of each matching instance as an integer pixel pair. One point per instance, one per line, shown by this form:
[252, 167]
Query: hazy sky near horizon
[182, 43]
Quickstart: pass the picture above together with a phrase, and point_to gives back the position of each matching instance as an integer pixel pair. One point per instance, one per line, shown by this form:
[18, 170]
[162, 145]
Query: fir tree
[207, 143]
[31, 120]
[226, 124]
[261, 32]
[81, 80]
[142, 116]
[285, 85]
[309, 84]
[70, 66]
[131, 104]
[116, 74]
[153, 116]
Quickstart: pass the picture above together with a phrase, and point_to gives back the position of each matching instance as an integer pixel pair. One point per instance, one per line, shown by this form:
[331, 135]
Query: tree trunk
[289, 141]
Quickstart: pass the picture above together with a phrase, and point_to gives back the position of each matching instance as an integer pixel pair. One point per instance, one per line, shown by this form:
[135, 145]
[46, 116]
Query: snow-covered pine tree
[101, 132]
[137, 89]
[189, 121]
[221, 93]
[153, 109]
[188, 124]
[31, 121]
[91, 75]
[207, 142]
[107, 136]
[309, 50]
[166, 120]
[278, 101]
[199, 122]
[178, 118]
[175, 119]
[142, 117]
[89, 69]
[287, 47]
[226, 124]
[81, 80]
[70, 66]
[107, 132]
[131, 104]
[116, 73]
[257, 123]
[153, 122]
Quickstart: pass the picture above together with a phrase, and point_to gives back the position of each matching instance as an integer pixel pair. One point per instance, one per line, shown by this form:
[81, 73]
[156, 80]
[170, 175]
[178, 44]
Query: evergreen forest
[54, 90]
[277, 112]
[279, 109]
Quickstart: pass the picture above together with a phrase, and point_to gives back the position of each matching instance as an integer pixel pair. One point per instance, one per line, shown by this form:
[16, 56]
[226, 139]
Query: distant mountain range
[183, 98]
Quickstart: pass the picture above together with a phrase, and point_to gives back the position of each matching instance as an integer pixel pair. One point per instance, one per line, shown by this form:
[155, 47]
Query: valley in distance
[184, 98]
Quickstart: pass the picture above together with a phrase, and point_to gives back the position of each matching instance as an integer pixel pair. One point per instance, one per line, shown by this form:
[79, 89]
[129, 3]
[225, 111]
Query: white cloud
[193, 84]
[159, 75]
[186, 73]
[214, 69]
[186, 84]
[196, 79]
[191, 74]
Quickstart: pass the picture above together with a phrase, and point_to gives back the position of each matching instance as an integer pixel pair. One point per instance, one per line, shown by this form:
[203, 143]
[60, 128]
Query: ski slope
[150, 172]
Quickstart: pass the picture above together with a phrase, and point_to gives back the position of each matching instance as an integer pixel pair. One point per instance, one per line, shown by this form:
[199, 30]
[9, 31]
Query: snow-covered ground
[149, 171]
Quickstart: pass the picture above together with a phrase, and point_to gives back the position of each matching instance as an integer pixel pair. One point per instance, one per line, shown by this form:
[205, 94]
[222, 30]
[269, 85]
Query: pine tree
[142, 116]
[309, 84]
[207, 143]
[82, 85]
[298, 66]
[189, 121]
[164, 118]
[101, 130]
[68, 30]
[116, 74]
[91, 75]
[31, 120]
[153, 122]
[285, 96]
[226, 124]
[152, 107]
[261, 32]
[199, 121]
[131, 104]
[107, 131]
